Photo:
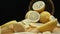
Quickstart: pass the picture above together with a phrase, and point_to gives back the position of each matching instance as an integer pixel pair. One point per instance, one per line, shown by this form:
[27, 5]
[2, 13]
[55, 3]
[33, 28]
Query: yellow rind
[44, 16]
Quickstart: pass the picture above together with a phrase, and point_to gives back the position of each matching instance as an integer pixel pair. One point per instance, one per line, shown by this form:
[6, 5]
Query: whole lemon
[44, 16]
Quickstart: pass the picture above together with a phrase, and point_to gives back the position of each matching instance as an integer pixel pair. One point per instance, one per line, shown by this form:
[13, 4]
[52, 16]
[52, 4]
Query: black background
[16, 10]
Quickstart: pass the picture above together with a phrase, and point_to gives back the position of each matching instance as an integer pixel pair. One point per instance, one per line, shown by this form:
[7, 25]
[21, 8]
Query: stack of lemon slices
[37, 21]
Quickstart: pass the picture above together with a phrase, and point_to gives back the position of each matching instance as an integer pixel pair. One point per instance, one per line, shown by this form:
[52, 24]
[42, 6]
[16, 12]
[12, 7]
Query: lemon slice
[44, 16]
[33, 16]
[39, 6]
[49, 26]
[35, 24]
[47, 32]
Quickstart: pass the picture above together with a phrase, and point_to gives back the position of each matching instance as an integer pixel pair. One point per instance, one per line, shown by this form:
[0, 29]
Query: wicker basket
[49, 5]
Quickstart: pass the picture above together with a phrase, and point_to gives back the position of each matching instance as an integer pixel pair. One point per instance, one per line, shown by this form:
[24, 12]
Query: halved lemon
[49, 26]
[39, 6]
[33, 16]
